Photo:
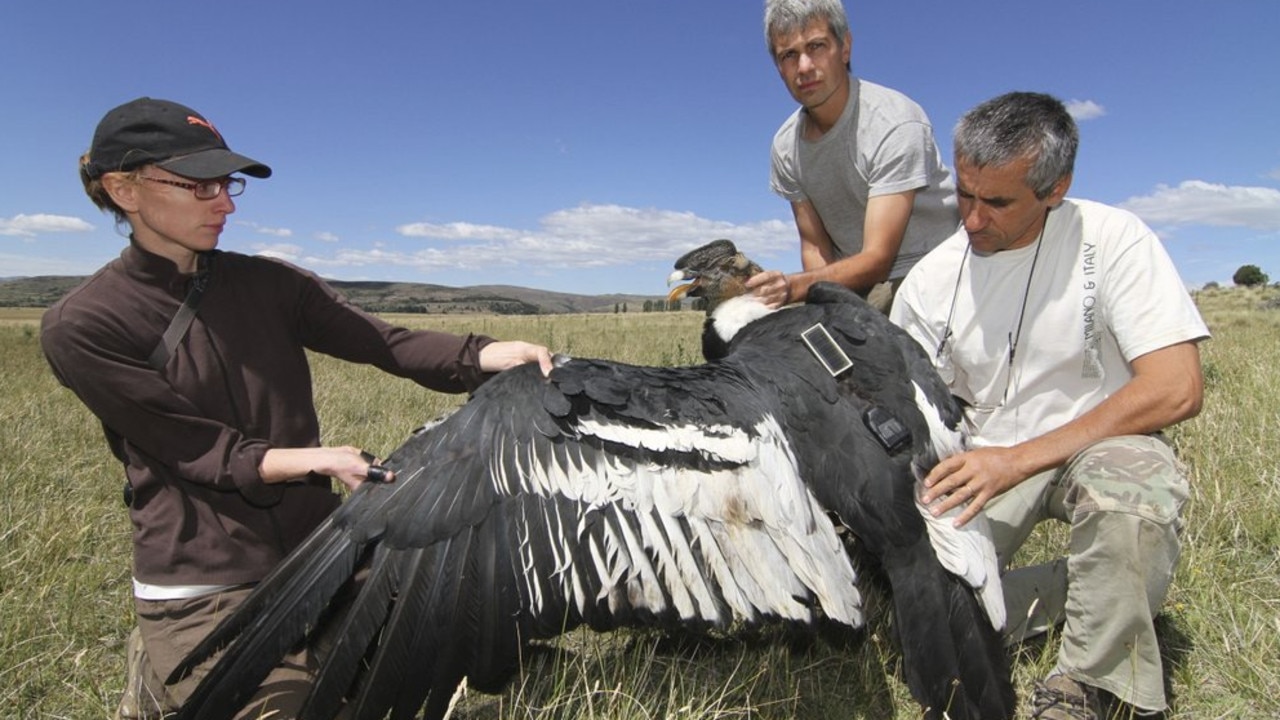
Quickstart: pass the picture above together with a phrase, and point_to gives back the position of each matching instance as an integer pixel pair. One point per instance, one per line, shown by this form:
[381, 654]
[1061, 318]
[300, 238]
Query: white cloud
[1274, 174]
[31, 225]
[282, 251]
[327, 237]
[264, 230]
[581, 237]
[1195, 202]
[1083, 110]
[456, 231]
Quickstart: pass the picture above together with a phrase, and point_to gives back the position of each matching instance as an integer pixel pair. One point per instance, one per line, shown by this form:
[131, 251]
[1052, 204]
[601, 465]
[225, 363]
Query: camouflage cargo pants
[1123, 498]
[880, 296]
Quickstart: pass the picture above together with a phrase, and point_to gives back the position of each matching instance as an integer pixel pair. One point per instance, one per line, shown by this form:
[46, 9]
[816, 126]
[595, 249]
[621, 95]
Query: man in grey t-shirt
[857, 161]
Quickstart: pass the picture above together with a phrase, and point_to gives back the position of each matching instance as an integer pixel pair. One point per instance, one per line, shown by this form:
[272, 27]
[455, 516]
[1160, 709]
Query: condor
[615, 495]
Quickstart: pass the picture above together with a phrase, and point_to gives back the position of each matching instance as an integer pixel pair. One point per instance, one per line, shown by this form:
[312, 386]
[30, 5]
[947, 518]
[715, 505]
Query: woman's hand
[506, 354]
[349, 465]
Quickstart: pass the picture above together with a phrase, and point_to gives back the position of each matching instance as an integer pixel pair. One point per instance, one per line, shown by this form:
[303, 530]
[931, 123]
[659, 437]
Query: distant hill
[385, 297]
[498, 299]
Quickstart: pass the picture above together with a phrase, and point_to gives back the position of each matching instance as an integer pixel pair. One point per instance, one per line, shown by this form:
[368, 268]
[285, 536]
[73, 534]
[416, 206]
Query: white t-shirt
[1104, 292]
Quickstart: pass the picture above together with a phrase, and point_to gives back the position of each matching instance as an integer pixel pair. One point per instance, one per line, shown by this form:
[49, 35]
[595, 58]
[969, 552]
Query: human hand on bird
[971, 479]
[506, 354]
[348, 465]
[771, 286]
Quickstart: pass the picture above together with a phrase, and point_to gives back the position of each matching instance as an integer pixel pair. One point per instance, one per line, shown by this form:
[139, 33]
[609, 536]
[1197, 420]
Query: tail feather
[983, 660]
[952, 657]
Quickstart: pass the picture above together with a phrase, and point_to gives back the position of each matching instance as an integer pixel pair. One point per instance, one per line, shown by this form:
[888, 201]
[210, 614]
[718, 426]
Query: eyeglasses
[205, 189]
[945, 366]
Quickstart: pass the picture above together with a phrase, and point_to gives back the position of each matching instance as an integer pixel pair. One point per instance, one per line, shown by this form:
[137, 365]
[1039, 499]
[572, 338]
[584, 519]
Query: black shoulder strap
[186, 313]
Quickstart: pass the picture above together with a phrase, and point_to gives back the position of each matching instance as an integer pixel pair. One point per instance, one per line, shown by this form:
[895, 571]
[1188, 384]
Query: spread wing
[610, 495]
[605, 495]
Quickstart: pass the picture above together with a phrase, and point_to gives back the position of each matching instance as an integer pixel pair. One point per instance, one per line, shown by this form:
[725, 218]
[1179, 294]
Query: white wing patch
[737, 540]
[966, 551]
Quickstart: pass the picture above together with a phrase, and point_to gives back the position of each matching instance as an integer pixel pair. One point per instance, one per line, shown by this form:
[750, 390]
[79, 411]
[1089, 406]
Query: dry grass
[64, 550]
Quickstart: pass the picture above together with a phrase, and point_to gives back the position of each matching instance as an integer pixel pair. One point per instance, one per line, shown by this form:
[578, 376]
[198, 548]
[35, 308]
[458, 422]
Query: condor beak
[680, 290]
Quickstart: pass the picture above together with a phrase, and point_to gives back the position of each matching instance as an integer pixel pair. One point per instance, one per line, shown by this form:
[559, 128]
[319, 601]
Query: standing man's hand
[772, 287]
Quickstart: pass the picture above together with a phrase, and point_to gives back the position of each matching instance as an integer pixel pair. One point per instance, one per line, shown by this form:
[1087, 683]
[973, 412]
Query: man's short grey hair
[1021, 125]
[782, 17]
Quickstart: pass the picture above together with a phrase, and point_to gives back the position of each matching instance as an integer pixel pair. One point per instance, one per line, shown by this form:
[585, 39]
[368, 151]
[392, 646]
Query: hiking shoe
[1058, 697]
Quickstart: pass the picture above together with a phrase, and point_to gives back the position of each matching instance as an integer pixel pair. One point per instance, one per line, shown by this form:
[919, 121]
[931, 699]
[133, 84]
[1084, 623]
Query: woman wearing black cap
[194, 360]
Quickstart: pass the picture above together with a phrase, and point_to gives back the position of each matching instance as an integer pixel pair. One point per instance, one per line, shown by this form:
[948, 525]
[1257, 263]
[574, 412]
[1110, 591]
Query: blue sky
[582, 145]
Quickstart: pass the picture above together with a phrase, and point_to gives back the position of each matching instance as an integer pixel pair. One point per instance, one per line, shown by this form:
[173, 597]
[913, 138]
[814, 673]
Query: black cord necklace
[1026, 291]
[1015, 336]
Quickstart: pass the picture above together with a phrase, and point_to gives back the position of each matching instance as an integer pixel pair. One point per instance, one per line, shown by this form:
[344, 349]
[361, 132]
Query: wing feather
[609, 495]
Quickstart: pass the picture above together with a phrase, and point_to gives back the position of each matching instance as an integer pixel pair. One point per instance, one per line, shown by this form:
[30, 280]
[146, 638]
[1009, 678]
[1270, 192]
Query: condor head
[714, 272]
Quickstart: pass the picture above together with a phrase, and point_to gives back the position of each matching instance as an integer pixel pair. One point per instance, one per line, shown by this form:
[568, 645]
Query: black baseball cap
[163, 133]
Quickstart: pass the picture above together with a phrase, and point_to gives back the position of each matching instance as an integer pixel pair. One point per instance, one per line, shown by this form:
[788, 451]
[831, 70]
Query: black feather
[613, 495]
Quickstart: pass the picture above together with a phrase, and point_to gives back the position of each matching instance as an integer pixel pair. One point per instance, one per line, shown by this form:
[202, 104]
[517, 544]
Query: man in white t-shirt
[857, 161]
[1064, 328]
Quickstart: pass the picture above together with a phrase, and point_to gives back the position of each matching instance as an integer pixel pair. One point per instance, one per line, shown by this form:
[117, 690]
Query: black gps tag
[887, 428]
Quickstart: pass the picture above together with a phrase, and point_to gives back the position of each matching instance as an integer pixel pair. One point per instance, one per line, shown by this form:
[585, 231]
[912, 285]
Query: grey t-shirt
[882, 144]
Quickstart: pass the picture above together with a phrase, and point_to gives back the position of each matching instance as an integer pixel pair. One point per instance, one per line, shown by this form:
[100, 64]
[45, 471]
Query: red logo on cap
[193, 120]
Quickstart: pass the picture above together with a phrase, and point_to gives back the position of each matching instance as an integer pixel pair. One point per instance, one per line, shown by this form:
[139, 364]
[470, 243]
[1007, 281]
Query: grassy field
[64, 549]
